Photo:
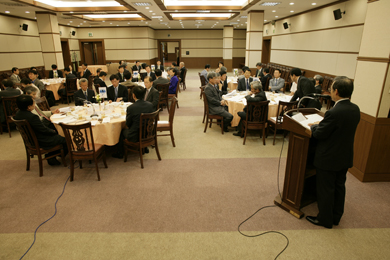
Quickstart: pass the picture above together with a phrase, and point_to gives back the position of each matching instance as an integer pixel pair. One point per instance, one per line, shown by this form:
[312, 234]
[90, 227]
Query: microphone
[319, 96]
[88, 102]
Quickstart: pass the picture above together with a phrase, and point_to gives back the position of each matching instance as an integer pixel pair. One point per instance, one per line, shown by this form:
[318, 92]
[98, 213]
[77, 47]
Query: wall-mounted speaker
[73, 33]
[273, 22]
[338, 14]
[285, 25]
[24, 27]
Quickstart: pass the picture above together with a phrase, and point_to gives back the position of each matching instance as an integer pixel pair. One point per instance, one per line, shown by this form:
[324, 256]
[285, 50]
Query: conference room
[195, 192]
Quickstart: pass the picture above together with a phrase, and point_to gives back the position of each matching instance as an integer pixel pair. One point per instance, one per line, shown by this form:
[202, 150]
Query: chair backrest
[283, 107]
[202, 80]
[172, 110]
[130, 90]
[183, 80]
[90, 82]
[97, 86]
[10, 107]
[266, 87]
[148, 127]
[42, 104]
[206, 103]
[29, 138]
[257, 112]
[79, 138]
[177, 86]
[159, 98]
[164, 88]
[71, 85]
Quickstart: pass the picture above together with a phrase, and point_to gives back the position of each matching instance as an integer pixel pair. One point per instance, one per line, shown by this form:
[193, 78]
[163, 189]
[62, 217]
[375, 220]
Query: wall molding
[340, 52]
[3, 52]
[373, 59]
[316, 30]
[19, 35]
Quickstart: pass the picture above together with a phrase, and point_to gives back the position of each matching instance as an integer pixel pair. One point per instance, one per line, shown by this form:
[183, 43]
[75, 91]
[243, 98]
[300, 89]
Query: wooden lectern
[299, 188]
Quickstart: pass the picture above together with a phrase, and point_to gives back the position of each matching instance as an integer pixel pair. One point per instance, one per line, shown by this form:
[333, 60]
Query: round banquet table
[93, 68]
[106, 133]
[54, 85]
[235, 104]
[232, 83]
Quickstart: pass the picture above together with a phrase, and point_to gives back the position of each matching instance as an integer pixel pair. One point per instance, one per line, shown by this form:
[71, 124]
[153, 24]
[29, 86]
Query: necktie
[146, 95]
[276, 82]
[116, 94]
[18, 78]
[41, 114]
[86, 95]
[55, 74]
[247, 84]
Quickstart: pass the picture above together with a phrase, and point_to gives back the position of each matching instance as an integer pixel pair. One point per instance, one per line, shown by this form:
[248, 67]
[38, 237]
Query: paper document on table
[64, 109]
[308, 119]
[231, 93]
[94, 122]
[106, 120]
[58, 116]
[244, 101]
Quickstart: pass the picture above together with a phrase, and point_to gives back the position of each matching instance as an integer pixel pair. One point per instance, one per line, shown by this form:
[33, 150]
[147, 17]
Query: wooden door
[88, 53]
[266, 51]
[66, 53]
[98, 53]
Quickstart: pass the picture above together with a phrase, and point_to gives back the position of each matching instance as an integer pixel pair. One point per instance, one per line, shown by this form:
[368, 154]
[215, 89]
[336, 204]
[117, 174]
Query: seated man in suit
[9, 91]
[133, 114]
[68, 75]
[334, 153]
[47, 138]
[244, 84]
[117, 92]
[205, 72]
[223, 85]
[128, 82]
[266, 76]
[152, 95]
[182, 70]
[256, 95]
[34, 68]
[85, 73]
[55, 73]
[318, 85]
[173, 81]
[101, 79]
[137, 66]
[44, 116]
[277, 83]
[15, 75]
[121, 69]
[159, 79]
[304, 88]
[25, 82]
[149, 73]
[71, 70]
[33, 75]
[217, 106]
[84, 94]
[245, 68]
[259, 71]
[159, 66]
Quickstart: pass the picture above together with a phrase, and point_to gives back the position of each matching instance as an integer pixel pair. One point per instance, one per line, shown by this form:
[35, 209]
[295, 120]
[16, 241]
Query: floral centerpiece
[235, 72]
[98, 98]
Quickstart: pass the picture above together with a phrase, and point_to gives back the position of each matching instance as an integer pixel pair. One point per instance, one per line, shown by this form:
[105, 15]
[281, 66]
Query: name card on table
[103, 92]
[135, 74]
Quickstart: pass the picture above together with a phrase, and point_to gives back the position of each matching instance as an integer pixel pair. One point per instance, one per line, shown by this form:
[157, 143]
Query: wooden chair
[266, 87]
[81, 146]
[130, 90]
[171, 96]
[209, 118]
[183, 80]
[71, 88]
[90, 82]
[168, 125]
[32, 146]
[164, 88]
[256, 118]
[277, 123]
[204, 107]
[43, 104]
[10, 108]
[147, 136]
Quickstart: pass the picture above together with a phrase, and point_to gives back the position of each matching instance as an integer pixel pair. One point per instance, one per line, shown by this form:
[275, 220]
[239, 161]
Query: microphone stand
[300, 100]
[93, 107]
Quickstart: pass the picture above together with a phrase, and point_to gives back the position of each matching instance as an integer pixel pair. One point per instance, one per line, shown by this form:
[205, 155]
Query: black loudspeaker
[24, 27]
[337, 14]
[73, 33]
[285, 25]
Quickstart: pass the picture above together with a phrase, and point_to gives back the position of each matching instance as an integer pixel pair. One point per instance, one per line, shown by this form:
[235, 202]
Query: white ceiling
[282, 10]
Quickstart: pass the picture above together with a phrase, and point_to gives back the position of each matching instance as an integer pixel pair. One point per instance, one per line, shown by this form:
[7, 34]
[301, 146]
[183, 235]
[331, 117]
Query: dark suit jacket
[79, 97]
[318, 89]
[69, 76]
[100, 82]
[161, 67]
[304, 88]
[47, 137]
[133, 114]
[257, 98]
[264, 81]
[122, 92]
[335, 137]
[136, 68]
[214, 100]
[160, 80]
[153, 97]
[152, 75]
[242, 84]
[182, 70]
[87, 73]
[8, 92]
[51, 74]
[259, 73]
[224, 88]
[121, 77]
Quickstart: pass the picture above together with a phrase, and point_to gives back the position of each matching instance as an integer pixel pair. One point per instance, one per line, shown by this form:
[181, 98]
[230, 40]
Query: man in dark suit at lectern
[334, 153]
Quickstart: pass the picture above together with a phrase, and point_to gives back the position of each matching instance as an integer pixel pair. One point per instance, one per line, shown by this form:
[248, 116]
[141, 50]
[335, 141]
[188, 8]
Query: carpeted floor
[187, 206]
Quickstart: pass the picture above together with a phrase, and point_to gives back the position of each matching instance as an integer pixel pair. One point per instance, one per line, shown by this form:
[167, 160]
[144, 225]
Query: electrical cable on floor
[270, 206]
[55, 207]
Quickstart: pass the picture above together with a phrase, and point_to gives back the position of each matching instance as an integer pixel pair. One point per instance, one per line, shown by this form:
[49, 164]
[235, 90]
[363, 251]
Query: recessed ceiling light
[150, 11]
[68, 23]
[110, 23]
[203, 11]
[71, 21]
[117, 25]
[153, 13]
[146, 7]
[7, 12]
[273, 11]
[313, 3]
[128, 23]
[104, 21]
[265, 20]
[216, 22]
[291, 3]
[230, 10]
[142, 4]
[270, 3]
[175, 10]
[291, 11]
[71, 12]
[157, 17]
[244, 16]
[35, 18]
[85, 21]
[125, 11]
[27, 12]
[276, 16]
[78, 25]
[238, 20]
